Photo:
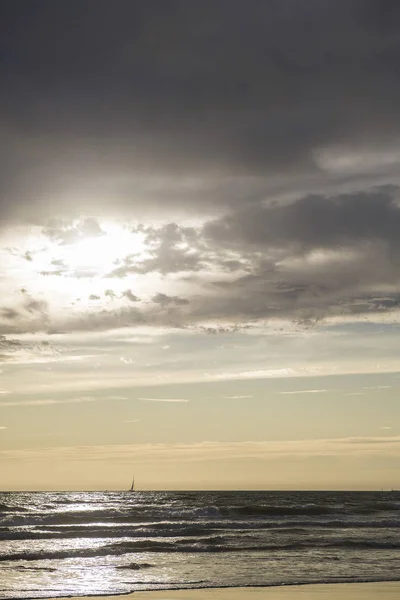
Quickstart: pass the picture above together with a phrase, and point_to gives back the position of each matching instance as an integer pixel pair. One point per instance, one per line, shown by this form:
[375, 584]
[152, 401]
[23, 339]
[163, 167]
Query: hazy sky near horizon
[199, 243]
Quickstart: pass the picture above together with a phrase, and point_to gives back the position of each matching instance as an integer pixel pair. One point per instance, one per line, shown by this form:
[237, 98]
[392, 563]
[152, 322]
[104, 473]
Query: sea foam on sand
[337, 591]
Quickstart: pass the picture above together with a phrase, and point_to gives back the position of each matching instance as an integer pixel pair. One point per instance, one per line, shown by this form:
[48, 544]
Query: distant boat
[132, 488]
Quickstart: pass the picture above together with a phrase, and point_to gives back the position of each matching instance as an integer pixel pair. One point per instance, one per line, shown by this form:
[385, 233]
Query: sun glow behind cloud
[69, 248]
[65, 269]
[102, 253]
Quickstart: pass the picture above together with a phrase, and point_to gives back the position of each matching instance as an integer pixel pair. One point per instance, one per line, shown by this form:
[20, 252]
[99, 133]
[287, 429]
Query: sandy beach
[338, 591]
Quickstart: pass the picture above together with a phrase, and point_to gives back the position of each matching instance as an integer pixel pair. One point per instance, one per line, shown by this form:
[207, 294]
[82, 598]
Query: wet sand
[337, 591]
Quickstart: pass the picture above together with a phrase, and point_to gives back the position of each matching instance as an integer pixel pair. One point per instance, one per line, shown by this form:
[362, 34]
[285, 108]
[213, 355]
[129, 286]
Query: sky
[199, 244]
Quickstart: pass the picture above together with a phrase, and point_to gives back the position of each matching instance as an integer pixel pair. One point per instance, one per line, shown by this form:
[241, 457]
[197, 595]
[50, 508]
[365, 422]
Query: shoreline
[389, 590]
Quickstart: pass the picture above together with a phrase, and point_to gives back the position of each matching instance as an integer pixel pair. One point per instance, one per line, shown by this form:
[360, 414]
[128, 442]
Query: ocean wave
[381, 506]
[239, 529]
[138, 540]
[101, 531]
[134, 515]
[135, 566]
[217, 544]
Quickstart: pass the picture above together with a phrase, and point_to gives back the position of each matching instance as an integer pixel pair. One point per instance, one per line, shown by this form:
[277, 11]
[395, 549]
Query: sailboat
[132, 488]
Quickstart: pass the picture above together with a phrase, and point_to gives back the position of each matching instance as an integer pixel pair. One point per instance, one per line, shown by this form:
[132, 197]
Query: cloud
[165, 300]
[304, 392]
[7, 347]
[163, 399]
[34, 306]
[355, 447]
[238, 397]
[53, 401]
[219, 330]
[377, 387]
[255, 374]
[14, 351]
[2, 427]
[169, 249]
[9, 314]
[277, 153]
[286, 273]
[130, 296]
[315, 221]
[64, 233]
[7, 343]
[127, 360]
[47, 402]
[277, 91]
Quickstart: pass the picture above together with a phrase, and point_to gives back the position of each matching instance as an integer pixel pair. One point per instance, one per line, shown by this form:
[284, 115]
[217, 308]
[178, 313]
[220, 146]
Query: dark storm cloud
[314, 222]
[102, 98]
[164, 300]
[262, 118]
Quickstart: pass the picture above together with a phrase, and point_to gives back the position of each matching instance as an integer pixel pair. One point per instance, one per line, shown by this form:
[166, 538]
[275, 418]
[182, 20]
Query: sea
[82, 543]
